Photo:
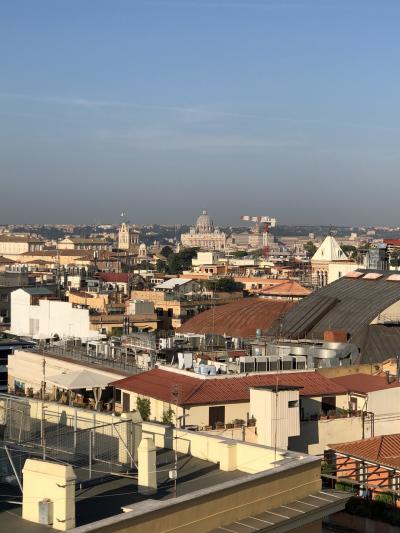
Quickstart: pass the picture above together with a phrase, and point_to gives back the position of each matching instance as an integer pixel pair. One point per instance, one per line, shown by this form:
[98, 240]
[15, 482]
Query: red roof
[392, 242]
[384, 450]
[287, 288]
[241, 318]
[114, 277]
[364, 383]
[159, 383]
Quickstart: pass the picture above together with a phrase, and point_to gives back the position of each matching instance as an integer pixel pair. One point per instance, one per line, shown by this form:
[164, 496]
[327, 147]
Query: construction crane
[266, 222]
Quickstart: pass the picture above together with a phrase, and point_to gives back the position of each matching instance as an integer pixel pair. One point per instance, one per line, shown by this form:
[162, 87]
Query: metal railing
[119, 359]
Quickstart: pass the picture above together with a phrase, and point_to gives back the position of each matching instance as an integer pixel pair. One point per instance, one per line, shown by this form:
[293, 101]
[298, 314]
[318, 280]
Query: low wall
[316, 435]
[217, 505]
[230, 454]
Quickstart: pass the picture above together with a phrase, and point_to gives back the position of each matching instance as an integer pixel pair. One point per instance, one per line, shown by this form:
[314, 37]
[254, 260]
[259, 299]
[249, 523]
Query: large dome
[204, 223]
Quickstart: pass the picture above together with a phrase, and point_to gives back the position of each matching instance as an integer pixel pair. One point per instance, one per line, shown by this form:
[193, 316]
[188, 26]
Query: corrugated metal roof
[241, 318]
[348, 304]
[159, 383]
[377, 342]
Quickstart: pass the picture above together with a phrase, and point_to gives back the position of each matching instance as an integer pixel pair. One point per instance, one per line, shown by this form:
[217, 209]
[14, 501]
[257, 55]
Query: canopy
[81, 379]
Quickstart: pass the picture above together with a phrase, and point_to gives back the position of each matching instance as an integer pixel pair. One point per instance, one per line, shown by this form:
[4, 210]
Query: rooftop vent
[353, 274]
[372, 275]
[393, 277]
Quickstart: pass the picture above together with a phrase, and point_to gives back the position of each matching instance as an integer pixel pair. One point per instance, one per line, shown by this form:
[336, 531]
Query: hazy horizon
[161, 108]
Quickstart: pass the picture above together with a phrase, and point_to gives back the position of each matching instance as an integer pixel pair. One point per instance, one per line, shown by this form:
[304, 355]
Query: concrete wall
[385, 404]
[55, 483]
[49, 318]
[316, 435]
[27, 367]
[220, 505]
[276, 420]
[230, 454]
[196, 415]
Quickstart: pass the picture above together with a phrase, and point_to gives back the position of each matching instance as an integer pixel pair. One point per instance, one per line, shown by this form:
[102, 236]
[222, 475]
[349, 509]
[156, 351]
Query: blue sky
[161, 108]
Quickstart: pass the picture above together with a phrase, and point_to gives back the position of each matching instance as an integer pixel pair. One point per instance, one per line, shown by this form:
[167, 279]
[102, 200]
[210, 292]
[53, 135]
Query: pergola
[81, 380]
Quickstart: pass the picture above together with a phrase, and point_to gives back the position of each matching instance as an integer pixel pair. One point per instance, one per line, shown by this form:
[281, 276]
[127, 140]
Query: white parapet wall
[228, 453]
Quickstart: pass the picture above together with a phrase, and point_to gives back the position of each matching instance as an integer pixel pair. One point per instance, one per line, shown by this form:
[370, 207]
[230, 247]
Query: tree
[349, 250]
[224, 285]
[166, 251]
[177, 263]
[310, 248]
[161, 266]
[167, 416]
[239, 253]
[143, 406]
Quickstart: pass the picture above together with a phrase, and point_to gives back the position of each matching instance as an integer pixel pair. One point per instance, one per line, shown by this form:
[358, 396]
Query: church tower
[128, 238]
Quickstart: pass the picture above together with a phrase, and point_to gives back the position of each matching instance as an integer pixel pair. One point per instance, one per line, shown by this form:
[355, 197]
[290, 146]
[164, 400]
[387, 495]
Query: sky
[162, 108]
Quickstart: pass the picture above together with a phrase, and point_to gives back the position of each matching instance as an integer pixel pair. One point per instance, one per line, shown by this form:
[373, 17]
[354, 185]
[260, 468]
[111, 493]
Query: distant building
[203, 235]
[78, 243]
[36, 317]
[128, 238]
[329, 262]
[11, 245]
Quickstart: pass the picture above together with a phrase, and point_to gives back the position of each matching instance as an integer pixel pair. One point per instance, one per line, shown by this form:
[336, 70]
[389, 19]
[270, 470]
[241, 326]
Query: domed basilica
[203, 235]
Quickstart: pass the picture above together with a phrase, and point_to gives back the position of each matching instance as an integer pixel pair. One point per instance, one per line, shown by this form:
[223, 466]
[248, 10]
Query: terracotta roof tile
[158, 384]
[384, 450]
[364, 383]
[287, 288]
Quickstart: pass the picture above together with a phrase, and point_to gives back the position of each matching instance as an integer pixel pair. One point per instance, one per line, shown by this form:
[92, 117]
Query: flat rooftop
[106, 498]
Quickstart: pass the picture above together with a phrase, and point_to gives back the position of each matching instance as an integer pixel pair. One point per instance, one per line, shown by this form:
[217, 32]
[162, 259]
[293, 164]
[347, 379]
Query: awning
[82, 379]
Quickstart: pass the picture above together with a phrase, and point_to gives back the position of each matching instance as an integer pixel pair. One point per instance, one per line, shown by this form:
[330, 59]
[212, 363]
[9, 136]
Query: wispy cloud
[197, 113]
[165, 140]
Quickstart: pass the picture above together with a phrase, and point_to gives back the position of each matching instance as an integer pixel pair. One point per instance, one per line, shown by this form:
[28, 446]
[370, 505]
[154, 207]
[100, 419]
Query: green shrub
[345, 486]
[385, 497]
[143, 406]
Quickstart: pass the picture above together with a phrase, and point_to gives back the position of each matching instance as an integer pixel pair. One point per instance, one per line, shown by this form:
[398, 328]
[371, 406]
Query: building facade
[128, 238]
[204, 235]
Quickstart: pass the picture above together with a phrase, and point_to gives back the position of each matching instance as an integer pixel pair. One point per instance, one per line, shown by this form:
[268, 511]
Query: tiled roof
[55, 253]
[384, 450]
[241, 318]
[4, 261]
[114, 277]
[159, 384]
[287, 288]
[20, 238]
[364, 383]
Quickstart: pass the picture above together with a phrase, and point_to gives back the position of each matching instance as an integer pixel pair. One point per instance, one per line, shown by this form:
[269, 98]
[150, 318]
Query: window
[353, 403]
[328, 403]
[293, 403]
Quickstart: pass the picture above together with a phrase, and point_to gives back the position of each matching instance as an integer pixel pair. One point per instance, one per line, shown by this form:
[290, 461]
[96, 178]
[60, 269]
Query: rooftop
[364, 383]
[172, 283]
[286, 288]
[349, 303]
[384, 450]
[241, 318]
[105, 499]
[200, 390]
